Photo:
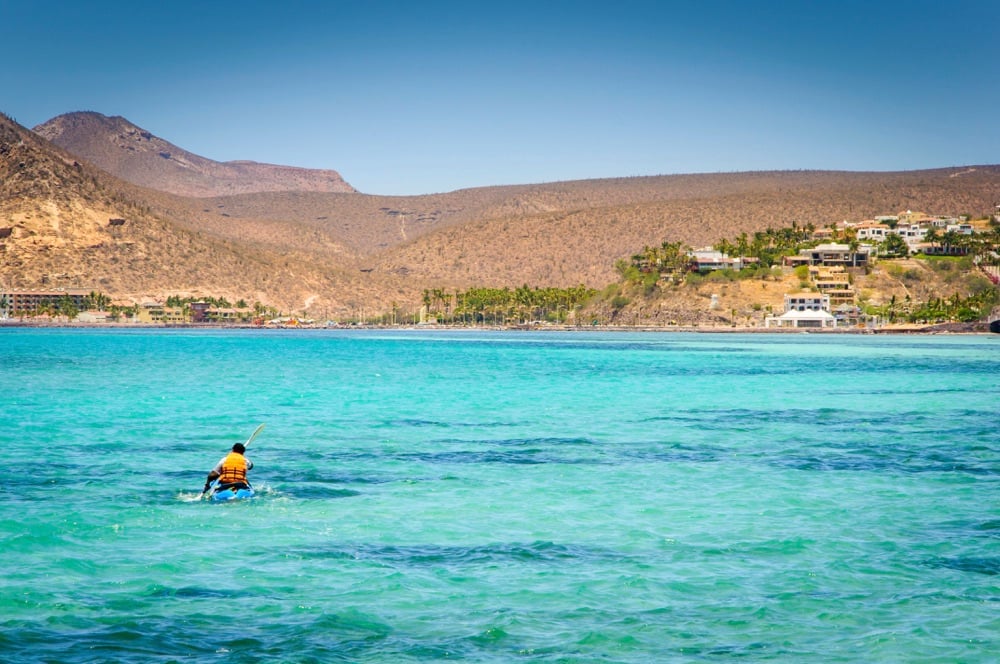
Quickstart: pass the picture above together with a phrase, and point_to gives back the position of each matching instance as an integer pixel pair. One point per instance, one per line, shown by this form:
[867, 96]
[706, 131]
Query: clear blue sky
[423, 97]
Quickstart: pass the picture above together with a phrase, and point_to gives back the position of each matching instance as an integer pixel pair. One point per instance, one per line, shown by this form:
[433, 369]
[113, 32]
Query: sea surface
[500, 497]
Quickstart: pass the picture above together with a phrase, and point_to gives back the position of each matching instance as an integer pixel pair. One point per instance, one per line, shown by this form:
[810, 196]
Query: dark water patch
[824, 366]
[745, 417]
[992, 527]
[292, 478]
[195, 592]
[545, 441]
[676, 454]
[967, 529]
[765, 548]
[884, 392]
[420, 555]
[524, 457]
[313, 492]
[419, 423]
[989, 566]
[755, 650]
[46, 485]
[887, 459]
[541, 441]
[102, 640]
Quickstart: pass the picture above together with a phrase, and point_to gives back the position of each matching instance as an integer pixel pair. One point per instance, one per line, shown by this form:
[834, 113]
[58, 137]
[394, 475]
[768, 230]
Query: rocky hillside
[332, 253]
[65, 223]
[135, 155]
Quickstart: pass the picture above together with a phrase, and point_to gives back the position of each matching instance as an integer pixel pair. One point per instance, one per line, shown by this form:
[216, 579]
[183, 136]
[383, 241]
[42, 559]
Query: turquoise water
[499, 497]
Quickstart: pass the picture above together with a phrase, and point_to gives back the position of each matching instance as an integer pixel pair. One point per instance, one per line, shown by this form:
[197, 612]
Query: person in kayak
[231, 471]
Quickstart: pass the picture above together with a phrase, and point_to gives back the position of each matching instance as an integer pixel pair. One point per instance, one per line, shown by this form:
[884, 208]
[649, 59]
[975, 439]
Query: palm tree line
[500, 306]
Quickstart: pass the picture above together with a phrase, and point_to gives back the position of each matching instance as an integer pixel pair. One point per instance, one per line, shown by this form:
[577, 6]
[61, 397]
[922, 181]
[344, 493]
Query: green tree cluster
[670, 259]
[969, 309]
[505, 305]
[768, 246]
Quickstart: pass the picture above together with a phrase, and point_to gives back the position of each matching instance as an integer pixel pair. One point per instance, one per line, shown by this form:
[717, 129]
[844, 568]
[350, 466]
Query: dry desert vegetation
[307, 242]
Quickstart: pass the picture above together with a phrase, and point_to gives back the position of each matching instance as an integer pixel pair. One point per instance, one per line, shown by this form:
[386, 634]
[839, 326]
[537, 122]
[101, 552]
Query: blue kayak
[225, 492]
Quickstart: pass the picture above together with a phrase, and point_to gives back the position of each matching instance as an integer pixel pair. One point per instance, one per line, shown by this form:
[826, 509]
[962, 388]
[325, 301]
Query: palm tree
[931, 236]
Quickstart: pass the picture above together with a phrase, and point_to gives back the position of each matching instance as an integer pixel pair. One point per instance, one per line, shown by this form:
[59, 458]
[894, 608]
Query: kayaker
[231, 469]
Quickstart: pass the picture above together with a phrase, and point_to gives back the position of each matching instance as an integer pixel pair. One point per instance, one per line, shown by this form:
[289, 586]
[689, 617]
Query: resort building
[29, 302]
[155, 312]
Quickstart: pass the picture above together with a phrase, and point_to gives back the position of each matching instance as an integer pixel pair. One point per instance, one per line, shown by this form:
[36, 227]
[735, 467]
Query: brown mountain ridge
[331, 253]
[56, 232]
[135, 155]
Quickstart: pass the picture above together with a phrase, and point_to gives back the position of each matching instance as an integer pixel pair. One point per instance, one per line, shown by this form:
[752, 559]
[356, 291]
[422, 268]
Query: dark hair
[239, 449]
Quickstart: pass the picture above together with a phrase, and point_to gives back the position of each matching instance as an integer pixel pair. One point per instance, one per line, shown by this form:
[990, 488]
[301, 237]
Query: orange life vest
[234, 469]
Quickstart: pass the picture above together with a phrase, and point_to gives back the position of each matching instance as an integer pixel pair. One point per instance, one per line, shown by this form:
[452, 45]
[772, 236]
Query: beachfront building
[15, 302]
[228, 315]
[804, 310]
[93, 316]
[151, 311]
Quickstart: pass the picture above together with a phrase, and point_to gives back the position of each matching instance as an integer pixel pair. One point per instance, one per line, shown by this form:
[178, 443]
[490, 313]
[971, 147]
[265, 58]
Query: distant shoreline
[943, 328]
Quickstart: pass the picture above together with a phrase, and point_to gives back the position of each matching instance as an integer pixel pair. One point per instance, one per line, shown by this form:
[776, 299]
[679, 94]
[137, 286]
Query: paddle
[260, 427]
[256, 431]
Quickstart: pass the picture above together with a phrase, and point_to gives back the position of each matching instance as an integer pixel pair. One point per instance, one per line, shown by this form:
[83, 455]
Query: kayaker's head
[239, 449]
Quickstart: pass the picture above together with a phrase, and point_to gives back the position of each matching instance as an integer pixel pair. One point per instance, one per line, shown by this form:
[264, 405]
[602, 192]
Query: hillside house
[870, 230]
[943, 250]
[710, 259]
[944, 222]
[961, 228]
[835, 283]
[910, 217]
[830, 255]
[913, 235]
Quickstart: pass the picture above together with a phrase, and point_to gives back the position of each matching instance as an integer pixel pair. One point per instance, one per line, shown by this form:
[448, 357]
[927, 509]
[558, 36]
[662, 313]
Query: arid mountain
[67, 224]
[331, 253]
[135, 155]
[572, 232]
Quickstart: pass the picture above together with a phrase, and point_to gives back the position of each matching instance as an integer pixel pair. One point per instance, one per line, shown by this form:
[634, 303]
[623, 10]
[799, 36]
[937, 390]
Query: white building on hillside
[804, 310]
